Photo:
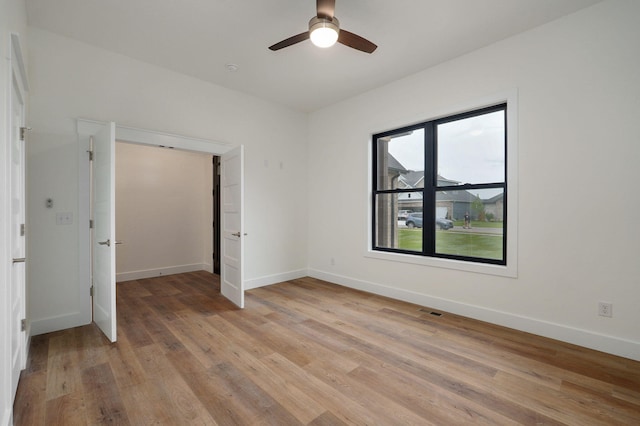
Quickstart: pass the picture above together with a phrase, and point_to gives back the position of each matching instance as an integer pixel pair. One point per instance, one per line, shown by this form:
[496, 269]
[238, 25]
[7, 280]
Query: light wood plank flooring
[306, 352]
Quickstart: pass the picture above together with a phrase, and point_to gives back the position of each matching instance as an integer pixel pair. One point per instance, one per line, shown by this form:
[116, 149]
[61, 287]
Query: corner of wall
[274, 279]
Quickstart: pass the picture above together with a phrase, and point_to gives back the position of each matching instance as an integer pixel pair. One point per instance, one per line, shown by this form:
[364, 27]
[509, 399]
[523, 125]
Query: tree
[477, 209]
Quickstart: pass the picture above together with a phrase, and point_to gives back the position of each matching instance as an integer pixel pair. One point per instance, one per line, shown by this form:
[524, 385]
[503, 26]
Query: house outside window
[440, 188]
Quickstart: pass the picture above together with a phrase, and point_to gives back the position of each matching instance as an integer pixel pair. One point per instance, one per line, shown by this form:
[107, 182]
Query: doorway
[216, 215]
[231, 204]
[165, 209]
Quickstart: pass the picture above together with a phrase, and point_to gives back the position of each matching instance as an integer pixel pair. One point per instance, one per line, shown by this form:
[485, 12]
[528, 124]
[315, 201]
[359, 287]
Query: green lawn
[410, 239]
[447, 242]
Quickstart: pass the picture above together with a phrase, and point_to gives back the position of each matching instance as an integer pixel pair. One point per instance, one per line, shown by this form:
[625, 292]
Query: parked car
[414, 220]
[402, 214]
[443, 223]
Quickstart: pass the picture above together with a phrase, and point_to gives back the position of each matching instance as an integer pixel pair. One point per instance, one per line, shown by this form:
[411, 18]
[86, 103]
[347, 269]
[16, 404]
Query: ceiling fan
[324, 31]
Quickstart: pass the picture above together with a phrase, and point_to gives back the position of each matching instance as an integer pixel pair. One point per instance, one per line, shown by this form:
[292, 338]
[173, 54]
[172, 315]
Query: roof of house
[494, 199]
[412, 178]
[460, 196]
[415, 179]
[393, 164]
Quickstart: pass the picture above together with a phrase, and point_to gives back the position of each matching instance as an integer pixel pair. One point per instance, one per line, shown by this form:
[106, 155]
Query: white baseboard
[60, 322]
[157, 272]
[274, 279]
[588, 339]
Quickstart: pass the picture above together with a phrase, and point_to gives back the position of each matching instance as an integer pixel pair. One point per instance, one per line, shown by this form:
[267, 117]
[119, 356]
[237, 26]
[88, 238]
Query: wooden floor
[312, 353]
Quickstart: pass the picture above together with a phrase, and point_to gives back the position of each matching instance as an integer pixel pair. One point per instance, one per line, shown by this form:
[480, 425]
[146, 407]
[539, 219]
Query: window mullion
[428, 196]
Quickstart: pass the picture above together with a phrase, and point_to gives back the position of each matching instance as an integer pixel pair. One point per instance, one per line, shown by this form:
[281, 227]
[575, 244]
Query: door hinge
[22, 229]
[91, 291]
[23, 325]
[90, 155]
[23, 131]
[91, 224]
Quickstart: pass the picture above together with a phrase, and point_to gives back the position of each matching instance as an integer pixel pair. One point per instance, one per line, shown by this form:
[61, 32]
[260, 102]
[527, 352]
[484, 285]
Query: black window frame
[430, 187]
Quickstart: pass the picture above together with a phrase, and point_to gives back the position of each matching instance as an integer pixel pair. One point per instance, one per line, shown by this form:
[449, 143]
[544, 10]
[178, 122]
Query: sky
[469, 150]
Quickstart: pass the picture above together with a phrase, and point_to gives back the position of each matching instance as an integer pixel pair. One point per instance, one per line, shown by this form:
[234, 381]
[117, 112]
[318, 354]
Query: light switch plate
[64, 218]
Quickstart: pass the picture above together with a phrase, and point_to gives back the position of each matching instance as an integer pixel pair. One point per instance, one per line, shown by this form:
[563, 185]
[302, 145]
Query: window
[440, 188]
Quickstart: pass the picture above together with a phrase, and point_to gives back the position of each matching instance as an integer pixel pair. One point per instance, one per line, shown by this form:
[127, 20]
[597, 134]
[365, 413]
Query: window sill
[479, 268]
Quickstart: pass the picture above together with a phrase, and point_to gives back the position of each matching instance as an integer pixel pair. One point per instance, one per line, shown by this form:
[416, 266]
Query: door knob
[19, 260]
[108, 243]
[237, 234]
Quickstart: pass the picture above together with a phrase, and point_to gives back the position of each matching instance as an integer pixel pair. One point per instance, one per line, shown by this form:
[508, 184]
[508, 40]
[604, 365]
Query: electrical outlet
[605, 309]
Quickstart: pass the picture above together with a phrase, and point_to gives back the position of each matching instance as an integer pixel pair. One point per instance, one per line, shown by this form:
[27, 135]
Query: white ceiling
[199, 37]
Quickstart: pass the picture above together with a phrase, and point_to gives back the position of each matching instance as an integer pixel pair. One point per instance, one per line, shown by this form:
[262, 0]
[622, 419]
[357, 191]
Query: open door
[232, 199]
[103, 239]
[17, 324]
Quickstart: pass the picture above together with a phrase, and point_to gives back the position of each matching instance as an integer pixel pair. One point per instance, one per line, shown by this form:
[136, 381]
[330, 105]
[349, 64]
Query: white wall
[164, 208]
[71, 79]
[52, 171]
[578, 83]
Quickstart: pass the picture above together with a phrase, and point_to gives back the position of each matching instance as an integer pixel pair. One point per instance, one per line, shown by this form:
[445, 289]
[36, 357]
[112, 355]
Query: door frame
[87, 128]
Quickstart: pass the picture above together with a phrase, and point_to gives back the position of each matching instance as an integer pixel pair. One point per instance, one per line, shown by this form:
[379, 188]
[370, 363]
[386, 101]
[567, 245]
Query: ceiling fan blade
[355, 41]
[325, 8]
[291, 40]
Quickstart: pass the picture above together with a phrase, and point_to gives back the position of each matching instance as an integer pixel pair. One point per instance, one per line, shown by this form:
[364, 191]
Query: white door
[17, 236]
[103, 239]
[232, 198]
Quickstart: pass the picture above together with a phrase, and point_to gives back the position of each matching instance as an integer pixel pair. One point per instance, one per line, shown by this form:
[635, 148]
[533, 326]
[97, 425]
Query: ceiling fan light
[324, 32]
[324, 37]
